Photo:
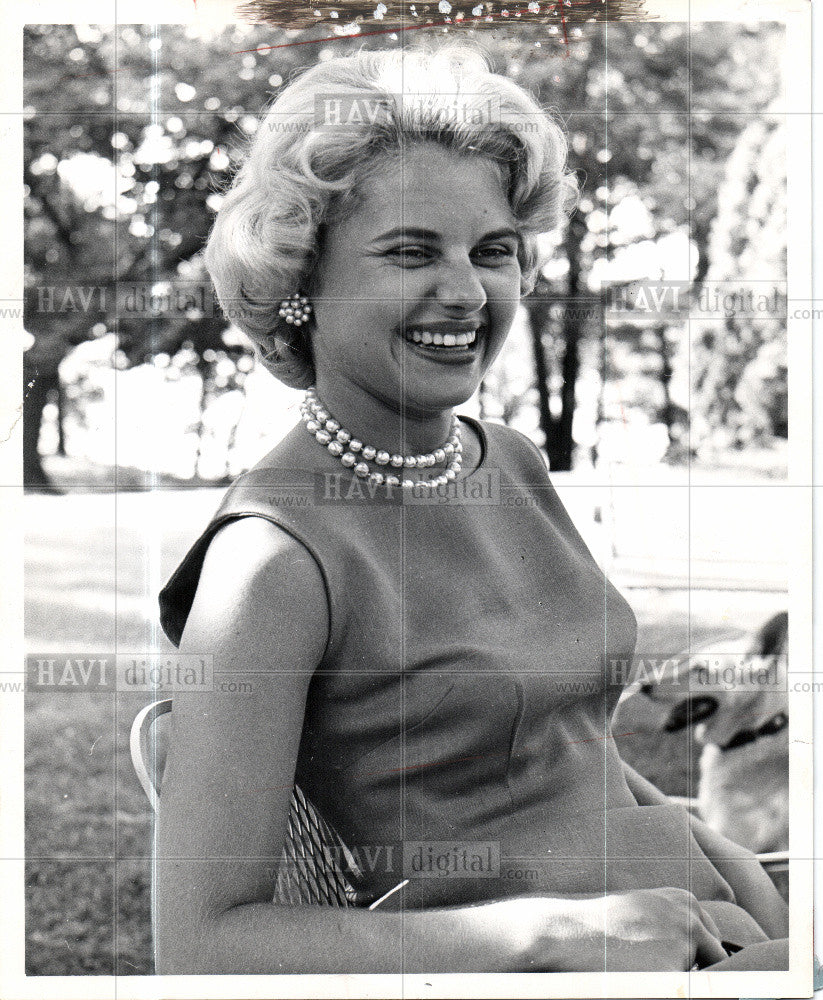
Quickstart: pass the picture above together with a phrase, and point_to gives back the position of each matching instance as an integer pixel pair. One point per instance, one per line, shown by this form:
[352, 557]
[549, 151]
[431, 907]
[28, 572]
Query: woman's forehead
[430, 184]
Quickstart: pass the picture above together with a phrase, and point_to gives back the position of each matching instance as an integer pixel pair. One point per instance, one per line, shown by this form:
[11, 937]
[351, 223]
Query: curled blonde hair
[305, 168]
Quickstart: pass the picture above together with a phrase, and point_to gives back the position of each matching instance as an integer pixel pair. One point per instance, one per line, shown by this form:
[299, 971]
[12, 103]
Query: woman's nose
[459, 286]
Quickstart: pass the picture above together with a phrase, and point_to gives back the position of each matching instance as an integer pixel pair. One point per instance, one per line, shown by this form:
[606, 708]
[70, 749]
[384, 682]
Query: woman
[424, 627]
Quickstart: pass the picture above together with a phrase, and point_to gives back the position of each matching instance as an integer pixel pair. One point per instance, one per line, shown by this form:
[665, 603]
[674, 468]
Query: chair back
[316, 866]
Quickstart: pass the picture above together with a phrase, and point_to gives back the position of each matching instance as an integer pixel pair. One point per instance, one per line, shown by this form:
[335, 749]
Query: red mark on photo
[416, 27]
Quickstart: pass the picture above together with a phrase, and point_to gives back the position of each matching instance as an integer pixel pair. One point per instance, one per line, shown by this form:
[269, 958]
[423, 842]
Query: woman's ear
[309, 282]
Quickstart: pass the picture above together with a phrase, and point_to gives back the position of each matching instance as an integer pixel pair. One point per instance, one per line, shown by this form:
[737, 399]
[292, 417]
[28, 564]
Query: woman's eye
[498, 251]
[410, 255]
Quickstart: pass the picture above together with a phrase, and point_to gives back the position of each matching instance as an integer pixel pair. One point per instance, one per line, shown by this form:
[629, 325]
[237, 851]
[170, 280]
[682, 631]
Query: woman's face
[416, 288]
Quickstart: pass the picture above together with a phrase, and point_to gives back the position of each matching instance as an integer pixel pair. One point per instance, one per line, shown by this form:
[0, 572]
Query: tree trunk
[204, 371]
[561, 445]
[601, 395]
[60, 400]
[481, 400]
[232, 439]
[701, 234]
[541, 374]
[665, 381]
[38, 380]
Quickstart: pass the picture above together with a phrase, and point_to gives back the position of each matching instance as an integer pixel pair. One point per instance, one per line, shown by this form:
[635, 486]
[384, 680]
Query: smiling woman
[427, 654]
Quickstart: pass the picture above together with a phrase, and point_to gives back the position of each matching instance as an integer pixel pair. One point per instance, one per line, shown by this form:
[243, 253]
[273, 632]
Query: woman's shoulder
[246, 546]
[254, 568]
[289, 451]
[509, 447]
[279, 487]
[288, 458]
[241, 562]
[251, 539]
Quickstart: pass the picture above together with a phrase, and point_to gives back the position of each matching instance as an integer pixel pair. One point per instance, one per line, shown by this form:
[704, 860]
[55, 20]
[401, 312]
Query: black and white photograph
[408, 501]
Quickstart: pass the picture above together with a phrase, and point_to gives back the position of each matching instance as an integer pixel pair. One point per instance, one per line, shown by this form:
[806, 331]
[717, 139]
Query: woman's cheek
[411, 287]
[505, 298]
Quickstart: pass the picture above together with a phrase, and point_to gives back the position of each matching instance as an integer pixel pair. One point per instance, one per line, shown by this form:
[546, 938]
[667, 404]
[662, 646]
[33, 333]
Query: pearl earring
[295, 310]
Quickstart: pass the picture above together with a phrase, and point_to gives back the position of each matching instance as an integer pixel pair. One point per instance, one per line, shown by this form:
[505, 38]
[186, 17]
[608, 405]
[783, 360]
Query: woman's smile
[446, 343]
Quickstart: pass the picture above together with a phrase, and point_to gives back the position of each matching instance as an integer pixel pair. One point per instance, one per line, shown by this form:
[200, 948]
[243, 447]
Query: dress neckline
[482, 437]
[263, 466]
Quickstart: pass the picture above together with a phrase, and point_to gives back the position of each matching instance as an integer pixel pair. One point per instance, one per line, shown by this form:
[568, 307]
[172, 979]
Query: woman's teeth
[428, 339]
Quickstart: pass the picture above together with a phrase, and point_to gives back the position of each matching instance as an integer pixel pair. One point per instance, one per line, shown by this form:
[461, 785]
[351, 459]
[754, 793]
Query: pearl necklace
[356, 456]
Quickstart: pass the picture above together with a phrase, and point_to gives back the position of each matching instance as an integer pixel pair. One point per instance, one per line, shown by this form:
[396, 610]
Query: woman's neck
[383, 425]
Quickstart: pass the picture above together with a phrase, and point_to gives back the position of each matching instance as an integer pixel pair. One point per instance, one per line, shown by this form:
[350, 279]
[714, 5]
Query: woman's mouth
[434, 340]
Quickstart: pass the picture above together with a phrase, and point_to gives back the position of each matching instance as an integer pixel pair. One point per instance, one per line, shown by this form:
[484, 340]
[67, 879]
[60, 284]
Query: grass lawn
[95, 563]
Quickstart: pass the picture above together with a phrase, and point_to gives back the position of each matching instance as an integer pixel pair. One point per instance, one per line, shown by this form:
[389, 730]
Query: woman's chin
[429, 400]
[433, 379]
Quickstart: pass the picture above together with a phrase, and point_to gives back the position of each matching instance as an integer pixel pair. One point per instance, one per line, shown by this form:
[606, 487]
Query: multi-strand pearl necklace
[357, 456]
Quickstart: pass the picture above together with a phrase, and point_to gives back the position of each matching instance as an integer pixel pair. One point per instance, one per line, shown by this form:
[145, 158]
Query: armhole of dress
[482, 436]
[186, 577]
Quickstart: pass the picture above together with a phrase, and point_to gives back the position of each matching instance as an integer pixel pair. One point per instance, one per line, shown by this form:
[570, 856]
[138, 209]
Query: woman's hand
[636, 931]
[752, 887]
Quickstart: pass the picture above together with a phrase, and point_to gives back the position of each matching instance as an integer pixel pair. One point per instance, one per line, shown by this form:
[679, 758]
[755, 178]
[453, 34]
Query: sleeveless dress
[457, 730]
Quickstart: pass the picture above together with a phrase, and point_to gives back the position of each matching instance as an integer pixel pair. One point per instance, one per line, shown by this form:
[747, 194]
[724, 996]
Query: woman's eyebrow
[431, 234]
[500, 234]
[424, 234]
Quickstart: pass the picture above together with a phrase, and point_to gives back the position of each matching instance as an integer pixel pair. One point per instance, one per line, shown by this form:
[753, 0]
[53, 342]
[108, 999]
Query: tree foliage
[738, 364]
[132, 131]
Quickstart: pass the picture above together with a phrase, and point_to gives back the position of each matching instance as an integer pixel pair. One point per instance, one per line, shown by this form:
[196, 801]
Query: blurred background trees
[676, 138]
[739, 366]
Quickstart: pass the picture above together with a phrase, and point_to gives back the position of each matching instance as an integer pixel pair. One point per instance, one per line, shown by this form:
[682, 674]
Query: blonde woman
[411, 644]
